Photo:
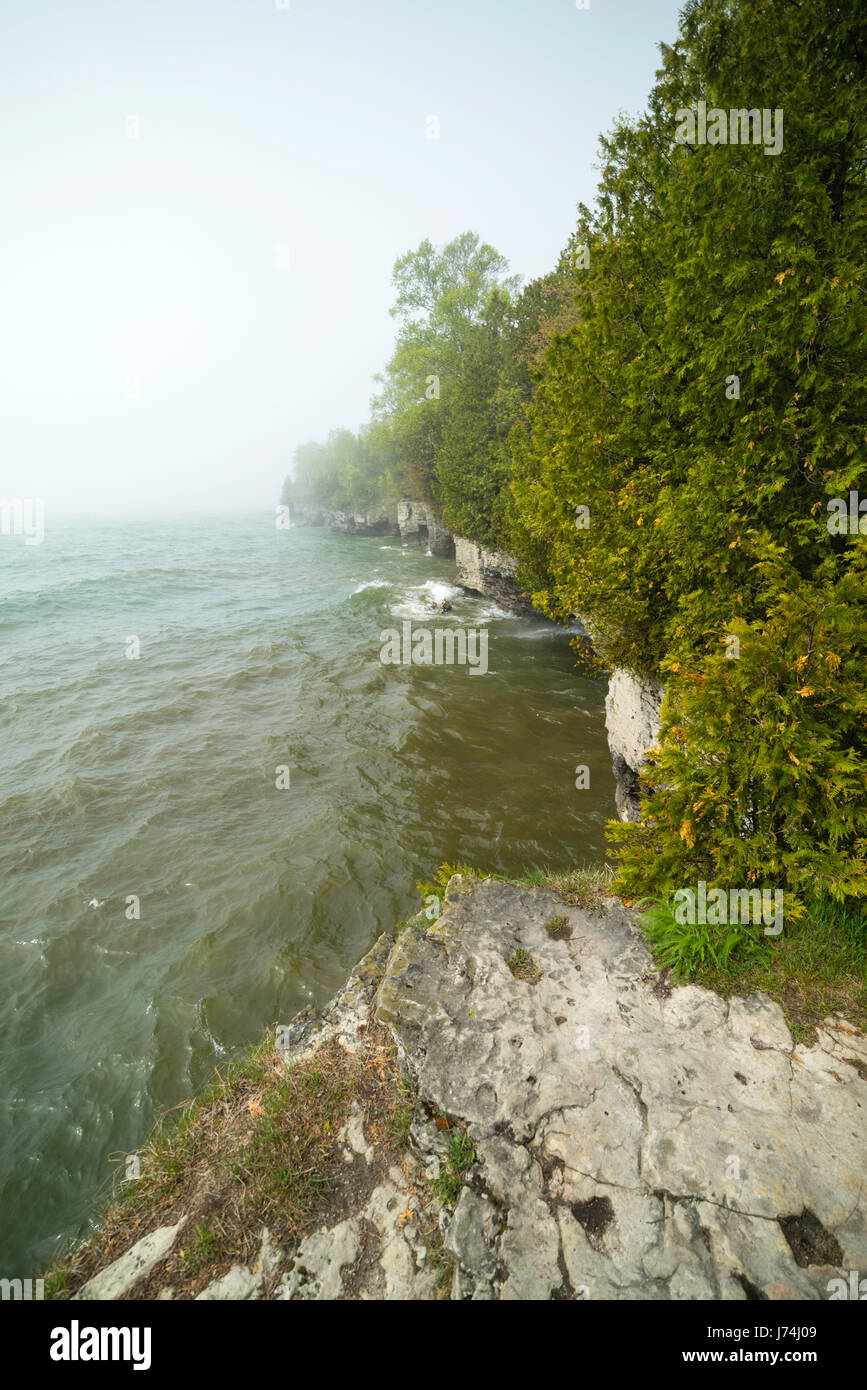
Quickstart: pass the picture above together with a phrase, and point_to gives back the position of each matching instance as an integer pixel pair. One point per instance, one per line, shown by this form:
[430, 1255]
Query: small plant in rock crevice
[558, 928]
[456, 1162]
[523, 966]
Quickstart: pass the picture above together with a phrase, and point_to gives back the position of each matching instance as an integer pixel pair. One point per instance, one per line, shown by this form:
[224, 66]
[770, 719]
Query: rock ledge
[625, 1139]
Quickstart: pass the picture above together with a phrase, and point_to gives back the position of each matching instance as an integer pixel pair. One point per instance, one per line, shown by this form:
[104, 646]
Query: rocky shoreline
[508, 1100]
[579, 1128]
[413, 523]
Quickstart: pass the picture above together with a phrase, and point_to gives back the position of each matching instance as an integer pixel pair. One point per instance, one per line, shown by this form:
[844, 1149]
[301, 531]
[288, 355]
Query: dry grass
[586, 887]
[258, 1148]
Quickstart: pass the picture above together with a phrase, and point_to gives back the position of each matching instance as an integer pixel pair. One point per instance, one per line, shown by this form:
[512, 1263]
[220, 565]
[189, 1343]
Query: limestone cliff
[414, 523]
[379, 520]
[632, 709]
[492, 573]
[419, 524]
[581, 1129]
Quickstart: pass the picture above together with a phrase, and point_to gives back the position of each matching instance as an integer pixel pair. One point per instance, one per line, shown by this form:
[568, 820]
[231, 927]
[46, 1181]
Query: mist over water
[155, 777]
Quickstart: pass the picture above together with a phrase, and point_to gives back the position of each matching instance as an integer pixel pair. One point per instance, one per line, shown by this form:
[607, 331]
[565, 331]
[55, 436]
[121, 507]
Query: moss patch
[523, 967]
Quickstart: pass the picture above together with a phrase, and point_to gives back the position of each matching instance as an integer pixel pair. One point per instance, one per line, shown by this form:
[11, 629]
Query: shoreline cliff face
[492, 573]
[632, 719]
[413, 523]
[570, 1126]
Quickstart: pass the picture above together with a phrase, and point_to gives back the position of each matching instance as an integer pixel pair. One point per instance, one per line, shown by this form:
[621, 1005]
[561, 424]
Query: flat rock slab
[632, 1140]
[376, 1254]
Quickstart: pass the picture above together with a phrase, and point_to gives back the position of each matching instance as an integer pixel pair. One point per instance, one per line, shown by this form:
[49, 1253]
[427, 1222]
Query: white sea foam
[373, 584]
[488, 612]
[423, 600]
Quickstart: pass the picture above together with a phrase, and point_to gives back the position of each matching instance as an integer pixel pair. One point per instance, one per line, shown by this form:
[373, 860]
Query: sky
[203, 201]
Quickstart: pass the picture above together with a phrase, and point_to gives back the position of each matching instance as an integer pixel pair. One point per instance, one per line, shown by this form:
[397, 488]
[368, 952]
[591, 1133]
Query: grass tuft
[558, 928]
[457, 1161]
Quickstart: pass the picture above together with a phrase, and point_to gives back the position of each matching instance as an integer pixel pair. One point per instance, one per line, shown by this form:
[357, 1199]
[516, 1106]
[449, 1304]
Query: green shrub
[440, 883]
[762, 765]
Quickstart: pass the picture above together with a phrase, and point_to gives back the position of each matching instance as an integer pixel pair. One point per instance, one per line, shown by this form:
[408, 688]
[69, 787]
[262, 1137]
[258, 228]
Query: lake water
[147, 785]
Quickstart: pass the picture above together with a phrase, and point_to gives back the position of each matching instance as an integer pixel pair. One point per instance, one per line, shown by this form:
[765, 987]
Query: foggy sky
[203, 200]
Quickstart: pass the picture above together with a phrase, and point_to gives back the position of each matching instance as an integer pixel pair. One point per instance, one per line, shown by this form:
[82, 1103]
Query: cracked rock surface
[632, 1140]
[622, 1138]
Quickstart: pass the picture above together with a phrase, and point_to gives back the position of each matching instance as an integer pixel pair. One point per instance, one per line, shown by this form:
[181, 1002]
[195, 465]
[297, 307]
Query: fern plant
[684, 947]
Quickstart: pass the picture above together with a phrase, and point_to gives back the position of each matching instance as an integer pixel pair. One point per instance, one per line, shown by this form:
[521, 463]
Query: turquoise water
[154, 778]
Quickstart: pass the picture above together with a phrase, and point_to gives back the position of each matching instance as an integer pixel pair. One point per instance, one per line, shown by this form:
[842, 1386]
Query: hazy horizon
[162, 163]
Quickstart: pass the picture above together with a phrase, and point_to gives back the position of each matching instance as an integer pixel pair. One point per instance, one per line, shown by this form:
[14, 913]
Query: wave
[372, 584]
[425, 600]
[491, 612]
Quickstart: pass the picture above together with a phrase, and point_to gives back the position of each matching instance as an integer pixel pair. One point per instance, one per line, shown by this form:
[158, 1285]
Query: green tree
[492, 387]
[472, 474]
[704, 408]
[441, 297]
